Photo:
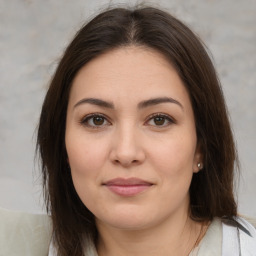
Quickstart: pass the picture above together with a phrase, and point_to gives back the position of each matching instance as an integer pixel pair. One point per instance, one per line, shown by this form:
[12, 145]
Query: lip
[127, 187]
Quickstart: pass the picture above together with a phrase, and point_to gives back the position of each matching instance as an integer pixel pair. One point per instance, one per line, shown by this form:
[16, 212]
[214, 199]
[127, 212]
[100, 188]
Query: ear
[198, 163]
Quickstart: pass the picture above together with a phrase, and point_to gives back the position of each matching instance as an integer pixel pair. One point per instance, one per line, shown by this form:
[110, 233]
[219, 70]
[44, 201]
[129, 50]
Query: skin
[128, 141]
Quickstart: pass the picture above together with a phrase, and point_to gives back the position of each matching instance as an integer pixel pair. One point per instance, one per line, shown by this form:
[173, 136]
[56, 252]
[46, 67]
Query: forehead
[128, 72]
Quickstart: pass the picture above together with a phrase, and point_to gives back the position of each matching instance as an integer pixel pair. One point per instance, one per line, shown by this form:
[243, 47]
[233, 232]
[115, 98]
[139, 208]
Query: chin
[127, 224]
[127, 219]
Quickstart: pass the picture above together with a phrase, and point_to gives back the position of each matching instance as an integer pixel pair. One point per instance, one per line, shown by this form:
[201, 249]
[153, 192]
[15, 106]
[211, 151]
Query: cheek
[85, 156]
[86, 162]
[174, 154]
[173, 161]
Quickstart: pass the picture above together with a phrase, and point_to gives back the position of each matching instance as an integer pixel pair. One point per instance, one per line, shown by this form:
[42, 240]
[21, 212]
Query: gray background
[33, 35]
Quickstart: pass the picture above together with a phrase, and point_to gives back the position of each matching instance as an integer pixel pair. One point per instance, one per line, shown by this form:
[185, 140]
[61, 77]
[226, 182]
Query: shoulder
[249, 220]
[24, 233]
[229, 237]
[239, 236]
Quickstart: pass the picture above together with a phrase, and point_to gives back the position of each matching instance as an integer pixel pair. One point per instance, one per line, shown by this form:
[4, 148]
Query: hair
[211, 190]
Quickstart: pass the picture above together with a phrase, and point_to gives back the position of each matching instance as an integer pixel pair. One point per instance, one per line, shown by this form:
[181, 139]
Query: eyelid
[170, 119]
[84, 120]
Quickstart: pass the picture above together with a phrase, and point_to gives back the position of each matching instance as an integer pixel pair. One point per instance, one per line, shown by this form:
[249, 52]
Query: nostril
[127, 156]
[125, 163]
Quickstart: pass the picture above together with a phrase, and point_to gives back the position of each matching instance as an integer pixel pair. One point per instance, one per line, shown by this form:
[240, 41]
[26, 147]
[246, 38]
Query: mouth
[127, 187]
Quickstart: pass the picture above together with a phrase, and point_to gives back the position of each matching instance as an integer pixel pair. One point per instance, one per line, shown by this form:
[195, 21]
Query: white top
[220, 240]
[23, 234]
[211, 244]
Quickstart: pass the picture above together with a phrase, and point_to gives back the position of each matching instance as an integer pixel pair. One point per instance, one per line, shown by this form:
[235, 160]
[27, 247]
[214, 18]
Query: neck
[175, 236]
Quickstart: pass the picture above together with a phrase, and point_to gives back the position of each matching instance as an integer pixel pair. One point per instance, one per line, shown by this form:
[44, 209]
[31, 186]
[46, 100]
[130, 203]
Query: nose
[127, 148]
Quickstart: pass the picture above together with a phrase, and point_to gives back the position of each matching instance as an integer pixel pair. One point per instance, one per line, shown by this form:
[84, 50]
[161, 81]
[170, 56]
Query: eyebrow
[143, 104]
[155, 101]
[97, 102]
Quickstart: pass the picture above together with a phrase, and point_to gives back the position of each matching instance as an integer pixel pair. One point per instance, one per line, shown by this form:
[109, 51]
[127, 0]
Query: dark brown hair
[211, 191]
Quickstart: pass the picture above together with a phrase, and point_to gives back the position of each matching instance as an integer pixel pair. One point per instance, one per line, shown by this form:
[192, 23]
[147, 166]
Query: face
[131, 139]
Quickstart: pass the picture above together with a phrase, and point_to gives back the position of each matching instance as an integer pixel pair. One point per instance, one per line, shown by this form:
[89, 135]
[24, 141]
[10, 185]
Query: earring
[200, 166]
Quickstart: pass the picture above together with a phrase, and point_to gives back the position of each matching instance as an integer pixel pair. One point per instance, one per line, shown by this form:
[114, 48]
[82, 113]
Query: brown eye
[95, 121]
[98, 120]
[159, 120]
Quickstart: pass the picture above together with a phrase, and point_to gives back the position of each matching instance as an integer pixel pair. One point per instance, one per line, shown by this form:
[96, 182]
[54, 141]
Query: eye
[95, 121]
[160, 120]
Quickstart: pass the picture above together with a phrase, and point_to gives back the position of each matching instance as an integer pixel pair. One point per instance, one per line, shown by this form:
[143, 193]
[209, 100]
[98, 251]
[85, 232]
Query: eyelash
[161, 115]
[89, 117]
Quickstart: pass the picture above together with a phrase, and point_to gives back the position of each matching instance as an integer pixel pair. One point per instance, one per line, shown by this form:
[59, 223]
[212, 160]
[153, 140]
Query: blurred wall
[33, 35]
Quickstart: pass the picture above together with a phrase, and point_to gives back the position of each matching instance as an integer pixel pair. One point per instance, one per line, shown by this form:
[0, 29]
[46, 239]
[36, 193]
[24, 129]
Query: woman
[137, 151]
